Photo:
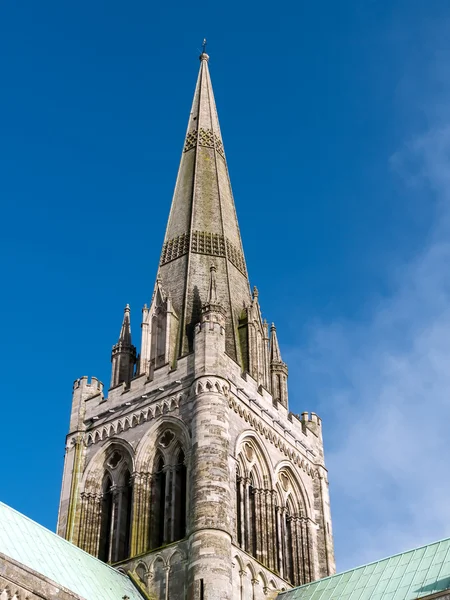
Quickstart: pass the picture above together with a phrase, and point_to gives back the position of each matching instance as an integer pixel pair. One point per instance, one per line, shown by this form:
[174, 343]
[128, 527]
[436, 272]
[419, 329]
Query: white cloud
[384, 386]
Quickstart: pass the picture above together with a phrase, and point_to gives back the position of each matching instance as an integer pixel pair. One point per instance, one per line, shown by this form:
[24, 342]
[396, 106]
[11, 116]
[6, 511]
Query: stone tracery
[271, 517]
[125, 512]
[106, 507]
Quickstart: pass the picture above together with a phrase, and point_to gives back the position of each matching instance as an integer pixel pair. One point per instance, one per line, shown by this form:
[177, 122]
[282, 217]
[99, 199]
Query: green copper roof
[413, 574]
[43, 551]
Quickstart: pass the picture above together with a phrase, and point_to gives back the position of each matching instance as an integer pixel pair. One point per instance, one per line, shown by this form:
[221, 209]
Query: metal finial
[204, 46]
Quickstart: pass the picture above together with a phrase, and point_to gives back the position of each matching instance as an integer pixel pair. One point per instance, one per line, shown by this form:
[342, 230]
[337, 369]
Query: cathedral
[192, 472]
[191, 479]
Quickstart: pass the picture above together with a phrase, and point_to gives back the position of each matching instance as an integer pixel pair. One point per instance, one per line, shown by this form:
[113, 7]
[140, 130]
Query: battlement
[311, 422]
[95, 385]
[312, 417]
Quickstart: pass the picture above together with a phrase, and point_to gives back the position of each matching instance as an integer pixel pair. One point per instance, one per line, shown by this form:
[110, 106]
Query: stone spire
[123, 355]
[275, 354]
[203, 225]
[278, 370]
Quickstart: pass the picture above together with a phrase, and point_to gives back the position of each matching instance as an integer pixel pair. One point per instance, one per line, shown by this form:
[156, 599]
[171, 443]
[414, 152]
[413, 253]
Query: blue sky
[336, 125]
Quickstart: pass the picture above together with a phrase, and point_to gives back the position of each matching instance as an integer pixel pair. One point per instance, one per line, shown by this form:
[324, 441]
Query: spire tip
[203, 55]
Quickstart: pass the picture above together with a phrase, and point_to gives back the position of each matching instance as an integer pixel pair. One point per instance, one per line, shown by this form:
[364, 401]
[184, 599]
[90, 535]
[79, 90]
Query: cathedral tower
[192, 474]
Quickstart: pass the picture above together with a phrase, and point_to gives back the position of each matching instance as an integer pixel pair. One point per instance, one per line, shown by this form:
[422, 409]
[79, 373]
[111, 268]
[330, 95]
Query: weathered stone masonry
[193, 473]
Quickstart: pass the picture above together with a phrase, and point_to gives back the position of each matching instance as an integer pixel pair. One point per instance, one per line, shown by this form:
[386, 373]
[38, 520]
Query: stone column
[295, 550]
[284, 556]
[89, 523]
[210, 527]
[82, 528]
[209, 570]
[97, 523]
[310, 570]
[264, 528]
[259, 525]
[115, 512]
[167, 470]
[141, 509]
[247, 542]
[136, 515]
[274, 542]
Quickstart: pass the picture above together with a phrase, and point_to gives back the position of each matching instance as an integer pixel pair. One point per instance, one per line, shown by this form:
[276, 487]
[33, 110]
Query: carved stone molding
[206, 138]
[12, 590]
[175, 248]
[203, 242]
[148, 413]
[205, 385]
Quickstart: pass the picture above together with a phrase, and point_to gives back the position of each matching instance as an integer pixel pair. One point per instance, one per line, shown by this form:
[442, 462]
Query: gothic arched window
[271, 522]
[293, 536]
[106, 511]
[169, 492]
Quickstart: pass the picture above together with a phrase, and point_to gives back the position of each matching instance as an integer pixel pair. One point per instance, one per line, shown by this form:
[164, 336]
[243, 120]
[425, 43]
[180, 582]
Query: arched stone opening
[106, 505]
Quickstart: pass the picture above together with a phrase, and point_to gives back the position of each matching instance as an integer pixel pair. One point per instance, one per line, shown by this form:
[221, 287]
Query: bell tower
[192, 474]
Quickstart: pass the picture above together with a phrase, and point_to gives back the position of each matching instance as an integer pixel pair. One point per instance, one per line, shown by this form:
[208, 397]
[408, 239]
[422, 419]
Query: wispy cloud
[385, 382]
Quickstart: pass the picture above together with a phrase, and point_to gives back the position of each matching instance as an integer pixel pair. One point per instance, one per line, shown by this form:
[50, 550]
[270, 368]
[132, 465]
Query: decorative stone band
[148, 413]
[206, 137]
[205, 385]
[10, 589]
[202, 242]
[175, 248]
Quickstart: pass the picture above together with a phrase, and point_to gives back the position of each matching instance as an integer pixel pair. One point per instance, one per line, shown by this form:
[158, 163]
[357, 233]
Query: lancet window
[293, 531]
[168, 497]
[271, 522]
[106, 513]
[253, 505]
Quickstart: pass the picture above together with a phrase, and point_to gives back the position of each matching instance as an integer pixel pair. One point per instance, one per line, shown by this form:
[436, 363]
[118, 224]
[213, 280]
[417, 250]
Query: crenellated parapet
[83, 389]
[312, 422]
[88, 387]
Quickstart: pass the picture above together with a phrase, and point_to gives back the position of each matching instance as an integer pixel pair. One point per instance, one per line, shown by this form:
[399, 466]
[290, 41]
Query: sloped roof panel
[60, 561]
[413, 574]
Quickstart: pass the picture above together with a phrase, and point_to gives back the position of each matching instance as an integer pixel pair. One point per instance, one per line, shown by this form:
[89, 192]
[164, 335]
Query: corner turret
[278, 370]
[210, 333]
[123, 355]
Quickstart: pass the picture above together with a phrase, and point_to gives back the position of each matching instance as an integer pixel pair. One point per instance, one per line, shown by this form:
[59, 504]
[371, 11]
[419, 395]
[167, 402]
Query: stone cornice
[133, 419]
